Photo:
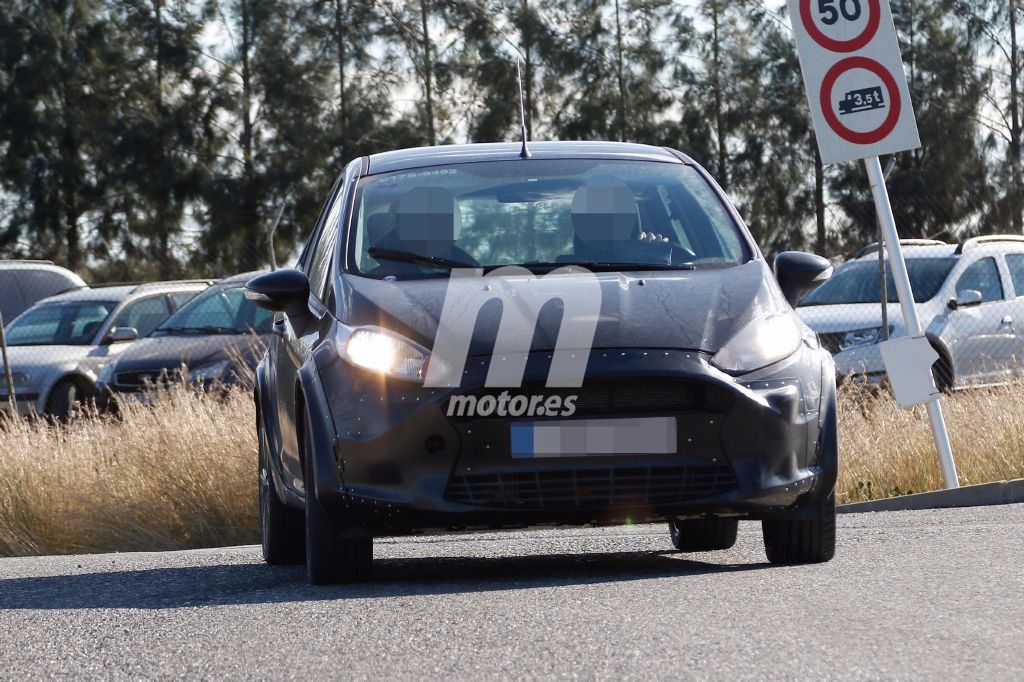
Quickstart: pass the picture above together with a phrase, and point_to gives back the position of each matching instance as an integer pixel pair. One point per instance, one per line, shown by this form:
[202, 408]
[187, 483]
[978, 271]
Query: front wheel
[332, 554]
[67, 400]
[807, 540]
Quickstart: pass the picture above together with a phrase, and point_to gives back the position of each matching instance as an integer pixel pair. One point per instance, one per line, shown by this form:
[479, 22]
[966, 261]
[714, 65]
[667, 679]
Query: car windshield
[859, 282]
[542, 214]
[59, 324]
[220, 310]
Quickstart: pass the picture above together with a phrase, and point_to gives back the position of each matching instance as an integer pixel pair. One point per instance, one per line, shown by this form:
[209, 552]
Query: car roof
[421, 157]
[911, 252]
[241, 278]
[44, 265]
[122, 292]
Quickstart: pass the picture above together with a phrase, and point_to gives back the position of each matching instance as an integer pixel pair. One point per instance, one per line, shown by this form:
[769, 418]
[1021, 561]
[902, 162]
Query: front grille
[630, 396]
[831, 342]
[603, 487]
[147, 377]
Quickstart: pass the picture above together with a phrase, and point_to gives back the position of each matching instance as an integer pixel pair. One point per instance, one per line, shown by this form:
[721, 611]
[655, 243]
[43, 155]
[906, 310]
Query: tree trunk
[716, 84]
[819, 202]
[621, 78]
[250, 224]
[1017, 201]
[163, 229]
[341, 41]
[428, 71]
[526, 36]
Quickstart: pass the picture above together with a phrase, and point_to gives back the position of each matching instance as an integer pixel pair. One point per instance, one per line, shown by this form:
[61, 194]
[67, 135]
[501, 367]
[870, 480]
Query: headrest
[378, 226]
[428, 220]
[604, 210]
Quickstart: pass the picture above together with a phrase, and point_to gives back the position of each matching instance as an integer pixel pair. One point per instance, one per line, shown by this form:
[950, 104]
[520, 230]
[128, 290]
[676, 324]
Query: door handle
[1008, 320]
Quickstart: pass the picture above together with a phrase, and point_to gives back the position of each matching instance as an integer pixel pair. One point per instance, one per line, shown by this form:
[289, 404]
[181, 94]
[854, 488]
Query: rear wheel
[282, 529]
[703, 535]
[807, 540]
[331, 555]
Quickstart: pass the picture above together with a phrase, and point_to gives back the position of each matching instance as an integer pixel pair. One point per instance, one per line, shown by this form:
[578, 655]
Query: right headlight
[106, 375]
[861, 337]
[762, 342]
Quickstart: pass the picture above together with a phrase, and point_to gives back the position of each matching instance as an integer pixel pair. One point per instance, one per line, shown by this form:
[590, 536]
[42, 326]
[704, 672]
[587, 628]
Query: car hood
[829, 319]
[26, 357]
[170, 352]
[692, 310]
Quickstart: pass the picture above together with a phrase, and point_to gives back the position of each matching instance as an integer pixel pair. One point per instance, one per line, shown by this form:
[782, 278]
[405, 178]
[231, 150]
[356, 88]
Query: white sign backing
[853, 71]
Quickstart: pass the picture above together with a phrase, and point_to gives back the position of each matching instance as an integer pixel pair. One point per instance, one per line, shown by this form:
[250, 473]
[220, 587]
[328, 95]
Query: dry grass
[183, 476]
[888, 451]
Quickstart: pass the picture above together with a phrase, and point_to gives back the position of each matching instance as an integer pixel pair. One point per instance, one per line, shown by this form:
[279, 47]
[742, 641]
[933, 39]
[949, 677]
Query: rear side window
[145, 315]
[1016, 264]
[982, 276]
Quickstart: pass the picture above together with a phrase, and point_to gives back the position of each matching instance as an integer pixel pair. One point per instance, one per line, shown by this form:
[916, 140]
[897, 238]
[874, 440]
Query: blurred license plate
[594, 437]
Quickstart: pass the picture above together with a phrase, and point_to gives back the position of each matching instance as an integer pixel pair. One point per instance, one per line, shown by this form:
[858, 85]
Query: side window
[180, 298]
[1016, 264]
[144, 315]
[319, 265]
[983, 276]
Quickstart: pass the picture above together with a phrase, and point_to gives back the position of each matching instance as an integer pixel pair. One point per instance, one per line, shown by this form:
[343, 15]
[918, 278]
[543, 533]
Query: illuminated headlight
[214, 370]
[106, 375]
[386, 353]
[860, 337]
[762, 342]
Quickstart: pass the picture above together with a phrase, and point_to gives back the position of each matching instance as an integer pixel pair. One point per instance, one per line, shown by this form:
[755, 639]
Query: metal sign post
[861, 107]
[910, 317]
[8, 376]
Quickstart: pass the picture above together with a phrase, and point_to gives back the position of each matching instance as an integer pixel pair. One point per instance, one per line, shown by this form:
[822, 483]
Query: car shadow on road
[256, 583]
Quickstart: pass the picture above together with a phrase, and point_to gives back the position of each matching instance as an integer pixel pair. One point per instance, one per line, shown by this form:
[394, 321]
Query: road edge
[984, 494]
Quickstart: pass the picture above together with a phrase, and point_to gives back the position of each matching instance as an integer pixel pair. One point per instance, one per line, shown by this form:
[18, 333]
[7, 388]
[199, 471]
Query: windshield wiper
[607, 266]
[209, 329]
[381, 253]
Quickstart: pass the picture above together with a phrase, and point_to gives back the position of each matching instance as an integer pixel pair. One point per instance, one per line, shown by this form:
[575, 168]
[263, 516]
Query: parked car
[703, 400]
[969, 296]
[217, 337]
[57, 347]
[25, 282]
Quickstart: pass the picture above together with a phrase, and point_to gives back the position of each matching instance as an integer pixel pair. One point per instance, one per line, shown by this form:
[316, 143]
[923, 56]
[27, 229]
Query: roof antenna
[524, 153]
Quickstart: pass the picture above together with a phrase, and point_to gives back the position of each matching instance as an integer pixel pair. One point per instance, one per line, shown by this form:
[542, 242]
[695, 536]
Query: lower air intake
[607, 487]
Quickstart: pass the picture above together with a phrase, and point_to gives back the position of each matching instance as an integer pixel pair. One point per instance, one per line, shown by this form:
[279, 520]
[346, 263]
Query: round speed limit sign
[841, 25]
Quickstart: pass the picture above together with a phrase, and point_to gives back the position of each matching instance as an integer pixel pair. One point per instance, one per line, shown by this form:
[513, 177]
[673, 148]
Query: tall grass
[183, 475]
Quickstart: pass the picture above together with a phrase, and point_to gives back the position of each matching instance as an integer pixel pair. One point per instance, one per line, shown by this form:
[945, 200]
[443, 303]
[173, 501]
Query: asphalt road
[910, 594]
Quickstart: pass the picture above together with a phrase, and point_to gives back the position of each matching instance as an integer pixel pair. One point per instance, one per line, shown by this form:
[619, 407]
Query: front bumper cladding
[385, 465]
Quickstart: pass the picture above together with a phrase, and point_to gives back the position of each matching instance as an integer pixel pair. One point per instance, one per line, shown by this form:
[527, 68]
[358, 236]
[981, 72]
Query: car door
[1015, 315]
[294, 339]
[981, 342]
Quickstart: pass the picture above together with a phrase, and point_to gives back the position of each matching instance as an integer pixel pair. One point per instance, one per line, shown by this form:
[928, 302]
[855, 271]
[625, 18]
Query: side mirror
[966, 299]
[122, 334]
[281, 291]
[799, 273]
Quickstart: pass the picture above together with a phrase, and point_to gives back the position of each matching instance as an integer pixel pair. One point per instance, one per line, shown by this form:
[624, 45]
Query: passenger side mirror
[966, 299]
[285, 291]
[799, 273]
[122, 334]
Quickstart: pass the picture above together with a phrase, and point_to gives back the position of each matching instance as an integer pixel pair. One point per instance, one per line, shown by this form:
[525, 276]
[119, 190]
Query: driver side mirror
[799, 273]
[122, 334]
[966, 299]
[281, 291]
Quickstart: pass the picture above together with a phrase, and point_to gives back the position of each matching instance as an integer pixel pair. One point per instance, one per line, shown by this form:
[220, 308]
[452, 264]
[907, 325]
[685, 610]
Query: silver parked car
[57, 347]
[25, 282]
[970, 298]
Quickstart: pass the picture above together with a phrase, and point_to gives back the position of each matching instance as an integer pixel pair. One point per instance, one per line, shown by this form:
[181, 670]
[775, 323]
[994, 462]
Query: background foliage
[162, 138]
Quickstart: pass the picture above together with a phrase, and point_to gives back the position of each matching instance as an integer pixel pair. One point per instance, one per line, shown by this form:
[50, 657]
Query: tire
[703, 535]
[330, 558]
[282, 529]
[805, 540]
[66, 401]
